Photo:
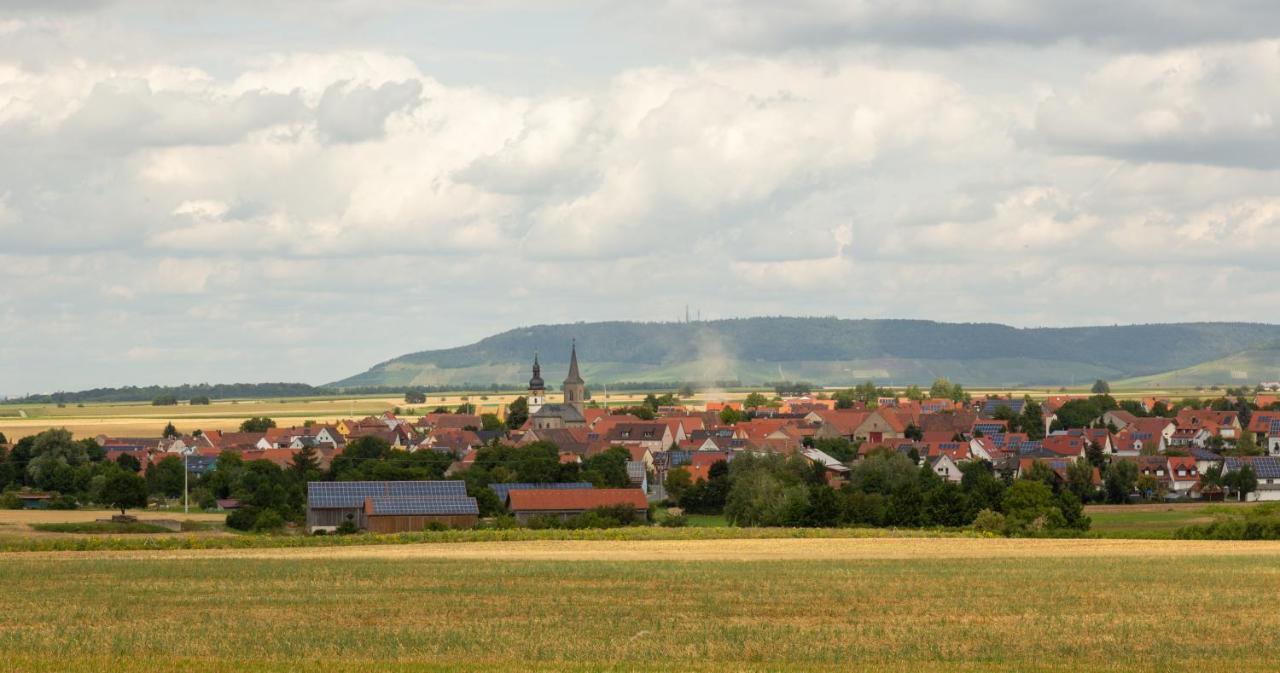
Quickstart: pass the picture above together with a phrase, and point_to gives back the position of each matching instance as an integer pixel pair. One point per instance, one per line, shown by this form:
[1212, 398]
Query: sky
[282, 190]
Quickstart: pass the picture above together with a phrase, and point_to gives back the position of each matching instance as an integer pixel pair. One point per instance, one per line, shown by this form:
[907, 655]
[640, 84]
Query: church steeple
[574, 387]
[537, 388]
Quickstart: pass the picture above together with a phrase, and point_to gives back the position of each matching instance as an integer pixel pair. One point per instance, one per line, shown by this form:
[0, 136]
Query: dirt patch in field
[725, 550]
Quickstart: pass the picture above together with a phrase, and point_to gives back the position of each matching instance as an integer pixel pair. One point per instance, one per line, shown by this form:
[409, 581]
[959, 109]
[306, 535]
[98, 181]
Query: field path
[717, 550]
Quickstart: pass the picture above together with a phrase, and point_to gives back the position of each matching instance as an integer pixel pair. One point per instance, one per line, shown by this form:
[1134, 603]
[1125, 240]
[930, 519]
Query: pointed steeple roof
[536, 383]
[573, 376]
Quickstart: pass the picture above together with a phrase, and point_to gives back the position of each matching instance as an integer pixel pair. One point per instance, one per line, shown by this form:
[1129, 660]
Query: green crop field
[719, 605]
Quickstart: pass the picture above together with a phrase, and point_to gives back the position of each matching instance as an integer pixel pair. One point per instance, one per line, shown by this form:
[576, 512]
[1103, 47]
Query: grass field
[806, 605]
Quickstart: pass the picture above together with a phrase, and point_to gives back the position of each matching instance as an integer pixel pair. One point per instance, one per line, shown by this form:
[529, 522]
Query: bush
[242, 519]
[989, 522]
[64, 502]
[435, 526]
[268, 521]
[347, 527]
[10, 500]
[675, 521]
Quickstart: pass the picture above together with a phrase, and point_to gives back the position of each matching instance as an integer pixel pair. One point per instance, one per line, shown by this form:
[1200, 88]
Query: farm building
[564, 503]
[502, 490]
[389, 506]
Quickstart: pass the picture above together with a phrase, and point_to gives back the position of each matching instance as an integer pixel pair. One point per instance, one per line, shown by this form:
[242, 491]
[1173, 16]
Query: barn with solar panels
[389, 506]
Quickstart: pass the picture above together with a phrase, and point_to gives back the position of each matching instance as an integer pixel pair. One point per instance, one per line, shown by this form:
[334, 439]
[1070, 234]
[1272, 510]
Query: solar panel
[351, 494]
[1264, 467]
[503, 489]
[425, 506]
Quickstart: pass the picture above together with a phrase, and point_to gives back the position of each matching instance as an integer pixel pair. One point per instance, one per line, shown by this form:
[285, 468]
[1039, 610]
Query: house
[1184, 476]
[944, 466]
[638, 475]
[837, 423]
[330, 504]
[652, 435]
[565, 503]
[992, 405]
[1225, 424]
[1119, 419]
[1265, 468]
[1265, 426]
[882, 424]
[836, 471]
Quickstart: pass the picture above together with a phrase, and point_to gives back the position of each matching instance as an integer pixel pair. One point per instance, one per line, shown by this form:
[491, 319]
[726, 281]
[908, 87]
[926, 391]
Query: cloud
[815, 24]
[1008, 162]
[353, 113]
[1202, 105]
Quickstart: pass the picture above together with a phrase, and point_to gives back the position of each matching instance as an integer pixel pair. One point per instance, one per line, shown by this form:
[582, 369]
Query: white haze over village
[294, 191]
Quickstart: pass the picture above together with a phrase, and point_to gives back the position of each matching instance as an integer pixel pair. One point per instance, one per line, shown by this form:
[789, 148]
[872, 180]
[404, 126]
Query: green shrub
[242, 519]
[675, 521]
[10, 500]
[268, 521]
[989, 522]
[347, 527]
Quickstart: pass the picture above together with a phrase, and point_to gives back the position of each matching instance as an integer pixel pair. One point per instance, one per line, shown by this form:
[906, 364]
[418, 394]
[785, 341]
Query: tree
[686, 391]
[1031, 421]
[52, 456]
[1247, 445]
[517, 412]
[1095, 454]
[165, 477]
[913, 393]
[164, 401]
[1100, 387]
[491, 423]
[1078, 413]
[124, 489]
[1120, 480]
[1030, 504]
[913, 432]
[128, 462]
[1080, 479]
[3, 440]
[754, 401]
[465, 408]
[729, 415]
[677, 483]
[305, 464]
[607, 469]
[170, 431]
[415, 397]
[1242, 481]
[941, 389]
[199, 400]
[257, 424]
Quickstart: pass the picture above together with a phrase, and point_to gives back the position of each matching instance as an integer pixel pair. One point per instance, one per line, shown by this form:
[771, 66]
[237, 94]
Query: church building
[544, 416]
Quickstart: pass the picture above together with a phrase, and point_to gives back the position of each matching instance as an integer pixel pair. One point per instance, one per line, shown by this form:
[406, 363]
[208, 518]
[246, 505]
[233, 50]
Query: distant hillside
[826, 351]
[1246, 367]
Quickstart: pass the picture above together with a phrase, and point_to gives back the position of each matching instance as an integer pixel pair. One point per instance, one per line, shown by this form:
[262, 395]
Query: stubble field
[715, 605]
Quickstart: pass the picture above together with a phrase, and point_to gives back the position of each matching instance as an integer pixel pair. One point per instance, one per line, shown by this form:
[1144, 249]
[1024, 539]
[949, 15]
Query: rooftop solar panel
[503, 489]
[351, 494]
[1264, 467]
[425, 506]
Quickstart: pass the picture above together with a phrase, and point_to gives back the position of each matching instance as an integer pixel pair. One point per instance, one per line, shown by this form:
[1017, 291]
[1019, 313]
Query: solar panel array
[1264, 467]
[425, 506]
[1275, 426]
[503, 489]
[989, 428]
[1030, 447]
[351, 494]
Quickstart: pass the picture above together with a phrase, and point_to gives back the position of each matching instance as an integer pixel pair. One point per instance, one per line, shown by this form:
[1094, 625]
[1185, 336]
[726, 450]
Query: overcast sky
[252, 191]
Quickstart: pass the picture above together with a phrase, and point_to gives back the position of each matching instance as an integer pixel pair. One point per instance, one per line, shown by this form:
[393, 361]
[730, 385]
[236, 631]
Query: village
[1100, 450]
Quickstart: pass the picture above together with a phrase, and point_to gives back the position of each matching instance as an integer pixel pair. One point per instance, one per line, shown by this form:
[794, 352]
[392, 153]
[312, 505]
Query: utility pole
[186, 492]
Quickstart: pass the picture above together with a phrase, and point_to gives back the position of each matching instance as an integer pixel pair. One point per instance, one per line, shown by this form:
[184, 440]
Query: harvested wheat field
[703, 605]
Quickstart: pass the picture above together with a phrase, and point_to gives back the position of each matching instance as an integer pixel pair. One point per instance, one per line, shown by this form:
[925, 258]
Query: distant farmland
[1007, 605]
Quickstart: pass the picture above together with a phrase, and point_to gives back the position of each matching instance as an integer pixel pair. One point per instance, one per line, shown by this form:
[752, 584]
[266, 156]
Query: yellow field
[136, 419]
[902, 604]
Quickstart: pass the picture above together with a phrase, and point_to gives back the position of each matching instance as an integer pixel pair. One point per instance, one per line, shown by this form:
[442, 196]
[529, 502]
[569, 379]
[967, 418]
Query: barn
[526, 504]
[389, 506]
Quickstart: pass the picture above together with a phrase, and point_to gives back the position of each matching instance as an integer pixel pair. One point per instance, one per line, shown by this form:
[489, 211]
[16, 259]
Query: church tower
[537, 389]
[574, 387]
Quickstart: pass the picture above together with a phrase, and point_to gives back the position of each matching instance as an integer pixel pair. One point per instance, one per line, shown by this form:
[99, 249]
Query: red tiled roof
[551, 500]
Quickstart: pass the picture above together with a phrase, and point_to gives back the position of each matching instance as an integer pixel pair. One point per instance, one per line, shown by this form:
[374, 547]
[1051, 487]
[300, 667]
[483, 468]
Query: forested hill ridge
[832, 351]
